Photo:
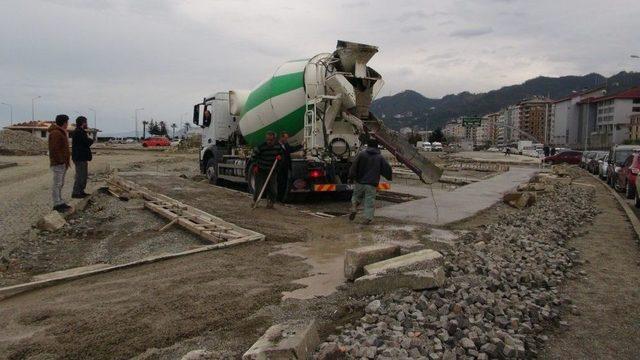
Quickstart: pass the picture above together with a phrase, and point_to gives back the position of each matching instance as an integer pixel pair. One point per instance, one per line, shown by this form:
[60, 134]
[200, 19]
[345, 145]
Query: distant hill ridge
[412, 106]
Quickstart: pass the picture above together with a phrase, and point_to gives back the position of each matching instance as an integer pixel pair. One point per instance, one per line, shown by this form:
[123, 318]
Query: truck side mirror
[196, 114]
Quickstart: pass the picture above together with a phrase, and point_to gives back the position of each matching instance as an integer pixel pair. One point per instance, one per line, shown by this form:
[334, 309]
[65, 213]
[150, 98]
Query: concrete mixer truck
[322, 103]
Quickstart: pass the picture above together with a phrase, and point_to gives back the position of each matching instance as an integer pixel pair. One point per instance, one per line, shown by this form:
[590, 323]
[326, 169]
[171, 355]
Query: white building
[610, 123]
[507, 122]
[565, 125]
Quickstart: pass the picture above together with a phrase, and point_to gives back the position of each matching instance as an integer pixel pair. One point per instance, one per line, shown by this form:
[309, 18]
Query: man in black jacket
[263, 158]
[285, 165]
[366, 171]
[81, 155]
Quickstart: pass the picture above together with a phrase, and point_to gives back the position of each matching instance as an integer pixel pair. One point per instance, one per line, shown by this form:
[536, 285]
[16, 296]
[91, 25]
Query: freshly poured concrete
[461, 203]
[326, 255]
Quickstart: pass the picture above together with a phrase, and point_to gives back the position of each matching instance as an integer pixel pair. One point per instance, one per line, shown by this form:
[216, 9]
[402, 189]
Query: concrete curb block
[295, 339]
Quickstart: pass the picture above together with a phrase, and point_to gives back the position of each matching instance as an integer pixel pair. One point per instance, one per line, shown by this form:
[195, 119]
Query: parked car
[436, 146]
[493, 149]
[602, 168]
[156, 141]
[593, 165]
[566, 157]
[626, 181]
[617, 155]
[586, 157]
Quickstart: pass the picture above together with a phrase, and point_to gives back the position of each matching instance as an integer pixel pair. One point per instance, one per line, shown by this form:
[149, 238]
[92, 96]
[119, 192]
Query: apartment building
[608, 118]
[533, 119]
[565, 126]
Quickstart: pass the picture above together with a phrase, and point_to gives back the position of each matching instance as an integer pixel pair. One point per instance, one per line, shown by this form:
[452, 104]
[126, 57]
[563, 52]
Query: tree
[173, 128]
[154, 128]
[163, 128]
[437, 136]
[414, 137]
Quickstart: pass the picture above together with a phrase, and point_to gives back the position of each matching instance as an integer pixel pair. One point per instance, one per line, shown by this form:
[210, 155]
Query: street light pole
[33, 111]
[136, 116]
[10, 111]
[95, 117]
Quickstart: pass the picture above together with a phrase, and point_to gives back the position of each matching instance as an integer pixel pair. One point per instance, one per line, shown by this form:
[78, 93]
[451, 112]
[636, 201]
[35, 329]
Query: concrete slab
[415, 280]
[419, 260]
[290, 340]
[356, 259]
[466, 201]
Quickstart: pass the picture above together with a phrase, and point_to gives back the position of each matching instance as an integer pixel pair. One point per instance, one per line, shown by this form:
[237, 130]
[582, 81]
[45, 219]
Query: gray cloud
[472, 32]
[164, 55]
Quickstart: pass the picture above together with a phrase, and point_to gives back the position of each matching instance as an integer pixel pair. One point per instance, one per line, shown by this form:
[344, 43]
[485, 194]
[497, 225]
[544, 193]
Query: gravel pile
[501, 292]
[15, 142]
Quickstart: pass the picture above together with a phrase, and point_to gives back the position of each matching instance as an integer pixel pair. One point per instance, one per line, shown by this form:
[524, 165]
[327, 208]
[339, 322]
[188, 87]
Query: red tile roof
[633, 93]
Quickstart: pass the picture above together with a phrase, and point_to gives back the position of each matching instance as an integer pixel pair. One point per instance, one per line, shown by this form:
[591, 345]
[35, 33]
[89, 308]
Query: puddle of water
[326, 257]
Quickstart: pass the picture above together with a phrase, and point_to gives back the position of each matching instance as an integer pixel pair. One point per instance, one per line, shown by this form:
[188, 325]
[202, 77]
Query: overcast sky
[163, 55]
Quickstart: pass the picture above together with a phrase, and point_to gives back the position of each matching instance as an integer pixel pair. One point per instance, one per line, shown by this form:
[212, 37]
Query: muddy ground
[224, 300]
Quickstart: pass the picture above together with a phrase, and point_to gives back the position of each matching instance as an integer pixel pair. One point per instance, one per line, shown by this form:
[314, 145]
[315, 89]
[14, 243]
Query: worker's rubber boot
[352, 215]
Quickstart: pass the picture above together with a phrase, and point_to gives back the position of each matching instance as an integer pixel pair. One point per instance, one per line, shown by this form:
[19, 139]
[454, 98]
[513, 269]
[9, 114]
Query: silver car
[603, 163]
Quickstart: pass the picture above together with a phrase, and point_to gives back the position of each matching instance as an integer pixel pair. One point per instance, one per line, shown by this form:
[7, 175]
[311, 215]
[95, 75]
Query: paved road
[461, 203]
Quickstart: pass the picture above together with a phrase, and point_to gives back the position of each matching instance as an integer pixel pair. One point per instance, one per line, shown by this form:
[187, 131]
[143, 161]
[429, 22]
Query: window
[636, 109]
[636, 101]
[43, 133]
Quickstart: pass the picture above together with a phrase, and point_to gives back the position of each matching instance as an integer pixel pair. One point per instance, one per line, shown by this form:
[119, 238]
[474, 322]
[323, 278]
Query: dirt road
[606, 324]
[25, 190]
[224, 300]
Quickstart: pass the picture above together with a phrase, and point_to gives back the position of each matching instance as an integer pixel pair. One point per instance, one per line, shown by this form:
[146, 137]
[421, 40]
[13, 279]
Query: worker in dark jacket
[81, 155]
[263, 158]
[59, 159]
[366, 171]
[285, 165]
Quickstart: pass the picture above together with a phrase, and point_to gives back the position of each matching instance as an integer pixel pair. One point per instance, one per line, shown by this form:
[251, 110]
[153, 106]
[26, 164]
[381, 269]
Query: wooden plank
[9, 291]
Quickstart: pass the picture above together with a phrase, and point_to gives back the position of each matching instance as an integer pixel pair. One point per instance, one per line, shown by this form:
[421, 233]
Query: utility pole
[10, 110]
[33, 110]
[136, 116]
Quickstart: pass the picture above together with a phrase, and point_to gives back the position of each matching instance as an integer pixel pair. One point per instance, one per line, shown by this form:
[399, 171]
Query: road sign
[468, 121]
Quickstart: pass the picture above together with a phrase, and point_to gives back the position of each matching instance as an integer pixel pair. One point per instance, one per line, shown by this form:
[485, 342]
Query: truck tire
[211, 170]
[251, 179]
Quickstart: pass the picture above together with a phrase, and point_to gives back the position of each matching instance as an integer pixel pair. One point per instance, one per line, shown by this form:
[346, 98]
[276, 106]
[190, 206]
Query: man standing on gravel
[59, 159]
[366, 171]
[263, 159]
[81, 155]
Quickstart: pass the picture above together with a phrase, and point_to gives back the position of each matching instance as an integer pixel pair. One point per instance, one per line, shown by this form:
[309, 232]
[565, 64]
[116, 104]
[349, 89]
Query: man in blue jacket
[81, 155]
[366, 171]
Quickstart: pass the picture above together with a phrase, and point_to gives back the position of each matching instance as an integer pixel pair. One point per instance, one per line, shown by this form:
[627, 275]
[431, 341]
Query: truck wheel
[251, 179]
[212, 171]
